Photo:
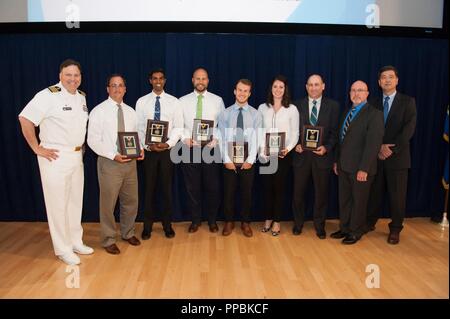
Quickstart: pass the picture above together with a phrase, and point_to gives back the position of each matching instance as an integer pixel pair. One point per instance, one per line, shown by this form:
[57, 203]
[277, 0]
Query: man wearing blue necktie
[239, 123]
[360, 136]
[393, 157]
[159, 106]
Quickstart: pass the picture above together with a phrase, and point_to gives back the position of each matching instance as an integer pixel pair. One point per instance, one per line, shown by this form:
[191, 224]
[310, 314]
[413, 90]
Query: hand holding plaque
[156, 132]
[311, 137]
[275, 143]
[238, 152]
[129, 144]
[202, 131]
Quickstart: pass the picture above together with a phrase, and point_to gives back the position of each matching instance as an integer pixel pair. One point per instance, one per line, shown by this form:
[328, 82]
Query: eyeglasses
[358, 91]
[115, 86]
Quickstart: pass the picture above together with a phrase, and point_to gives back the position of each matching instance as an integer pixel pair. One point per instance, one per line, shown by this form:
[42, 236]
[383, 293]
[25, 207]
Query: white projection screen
[397, 13]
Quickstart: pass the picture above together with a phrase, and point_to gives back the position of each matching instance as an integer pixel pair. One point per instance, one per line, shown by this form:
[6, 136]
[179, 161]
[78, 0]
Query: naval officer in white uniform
[61, 113]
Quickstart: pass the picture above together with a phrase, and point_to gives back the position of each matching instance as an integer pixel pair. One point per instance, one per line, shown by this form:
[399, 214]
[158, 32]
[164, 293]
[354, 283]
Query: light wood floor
[205, 265]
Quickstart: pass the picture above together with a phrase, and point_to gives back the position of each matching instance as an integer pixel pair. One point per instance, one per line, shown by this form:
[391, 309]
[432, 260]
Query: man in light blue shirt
[238, 125]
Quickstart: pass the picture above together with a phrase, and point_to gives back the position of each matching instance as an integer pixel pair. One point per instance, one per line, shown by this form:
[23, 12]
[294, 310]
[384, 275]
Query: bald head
[359, 92]
[360, 84]
[200, 80]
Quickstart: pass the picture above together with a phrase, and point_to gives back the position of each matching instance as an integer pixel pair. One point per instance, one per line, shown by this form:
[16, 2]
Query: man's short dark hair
[69, 62]
[387, 68]
[245, 81]
[157, 70]
[114, 75]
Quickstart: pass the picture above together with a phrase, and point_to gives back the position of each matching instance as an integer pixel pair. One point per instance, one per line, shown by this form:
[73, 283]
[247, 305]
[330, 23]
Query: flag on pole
[445, 176]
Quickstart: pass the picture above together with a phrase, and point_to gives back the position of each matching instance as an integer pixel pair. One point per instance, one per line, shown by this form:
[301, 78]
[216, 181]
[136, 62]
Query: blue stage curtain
[29, 63]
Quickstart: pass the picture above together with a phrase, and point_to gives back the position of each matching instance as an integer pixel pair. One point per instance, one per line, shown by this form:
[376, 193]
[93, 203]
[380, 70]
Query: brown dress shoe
[393, 238]
[246, 230]
[228, 228]
[213, 228]
[112, 249]
[133, 241]
[193, 228]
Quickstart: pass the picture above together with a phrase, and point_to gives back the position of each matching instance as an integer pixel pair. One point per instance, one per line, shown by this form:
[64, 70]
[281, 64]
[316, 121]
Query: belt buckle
[77, 148]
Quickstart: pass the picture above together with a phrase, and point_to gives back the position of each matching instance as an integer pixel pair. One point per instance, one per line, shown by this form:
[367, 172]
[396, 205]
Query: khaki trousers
[117, 180]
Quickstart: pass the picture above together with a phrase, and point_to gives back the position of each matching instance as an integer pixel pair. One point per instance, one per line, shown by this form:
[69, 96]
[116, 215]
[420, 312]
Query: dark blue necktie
[386, 108]
[348, 121]
[157, 109]
[240, 126]
[313, 117]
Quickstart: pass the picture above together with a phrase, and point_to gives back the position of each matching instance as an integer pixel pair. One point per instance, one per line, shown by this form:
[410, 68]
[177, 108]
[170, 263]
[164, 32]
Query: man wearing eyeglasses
[117, 174]
[394, 158]
[360, 137]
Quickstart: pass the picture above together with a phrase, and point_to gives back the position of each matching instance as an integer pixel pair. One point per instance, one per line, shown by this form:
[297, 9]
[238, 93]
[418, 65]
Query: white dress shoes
[83, 250]
[70, 259]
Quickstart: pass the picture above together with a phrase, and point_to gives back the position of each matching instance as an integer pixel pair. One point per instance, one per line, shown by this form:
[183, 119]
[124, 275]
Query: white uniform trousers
[62, 184]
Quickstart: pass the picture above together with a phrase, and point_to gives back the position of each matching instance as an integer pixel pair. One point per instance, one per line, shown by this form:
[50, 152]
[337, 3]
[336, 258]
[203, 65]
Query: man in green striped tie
[316, 110]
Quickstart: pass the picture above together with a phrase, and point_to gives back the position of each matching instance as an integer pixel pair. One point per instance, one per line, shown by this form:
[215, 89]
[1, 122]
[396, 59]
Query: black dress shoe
[393, 238]
[193, 228]
[146, 234]
[338, 235]
[296, 230]
[350, 240]
[169, 232]
[213, 228]
[321, 234]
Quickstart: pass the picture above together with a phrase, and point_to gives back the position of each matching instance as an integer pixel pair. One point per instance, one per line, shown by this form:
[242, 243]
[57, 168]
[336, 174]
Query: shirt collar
[310, 100]
[153, 94]
[197, 94]
[391, 97]
[114, 102]
[237, 107]
[359, 106]
[64, 90]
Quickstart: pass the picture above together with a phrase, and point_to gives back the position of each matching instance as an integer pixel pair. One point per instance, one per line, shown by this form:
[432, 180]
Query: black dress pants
[394, 182]
[241, 180]
[302, 177]
[353, 198]
[274, 189]
[203, 186]
[158, 165]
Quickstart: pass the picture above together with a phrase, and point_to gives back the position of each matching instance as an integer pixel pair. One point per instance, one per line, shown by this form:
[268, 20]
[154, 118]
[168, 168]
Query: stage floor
[206, 265]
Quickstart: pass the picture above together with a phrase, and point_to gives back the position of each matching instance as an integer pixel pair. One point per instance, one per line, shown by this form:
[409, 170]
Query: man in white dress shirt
[316, 110]
[159, 106]
[202, 178]
[61, 113]
[117, 175]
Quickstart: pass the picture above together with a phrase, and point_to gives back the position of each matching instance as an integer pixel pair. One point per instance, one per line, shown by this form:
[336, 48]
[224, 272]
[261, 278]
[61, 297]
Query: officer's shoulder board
[81, 92]
[54, 89]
